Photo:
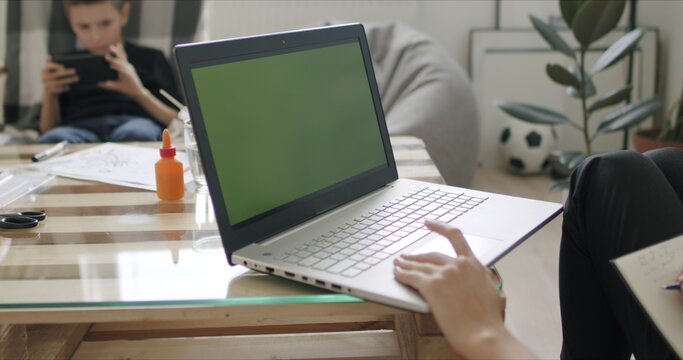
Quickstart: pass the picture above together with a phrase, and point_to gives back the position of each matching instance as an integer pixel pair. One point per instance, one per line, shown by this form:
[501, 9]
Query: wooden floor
[530, 272]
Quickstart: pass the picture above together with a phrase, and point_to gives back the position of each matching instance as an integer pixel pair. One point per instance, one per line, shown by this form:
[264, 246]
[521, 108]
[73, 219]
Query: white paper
[645, 272]
[113, 163]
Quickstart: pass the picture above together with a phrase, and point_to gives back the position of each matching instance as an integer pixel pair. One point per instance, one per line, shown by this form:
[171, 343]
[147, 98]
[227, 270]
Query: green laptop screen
[284, 126]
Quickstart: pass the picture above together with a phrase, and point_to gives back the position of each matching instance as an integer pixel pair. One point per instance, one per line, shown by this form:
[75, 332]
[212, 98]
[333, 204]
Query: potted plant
[670, 135]
[589, 21]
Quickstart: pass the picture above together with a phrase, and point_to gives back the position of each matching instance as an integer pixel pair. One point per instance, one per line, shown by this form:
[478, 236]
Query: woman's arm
[463, 298]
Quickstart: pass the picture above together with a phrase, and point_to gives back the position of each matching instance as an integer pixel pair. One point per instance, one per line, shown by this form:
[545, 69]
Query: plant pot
[645, 140]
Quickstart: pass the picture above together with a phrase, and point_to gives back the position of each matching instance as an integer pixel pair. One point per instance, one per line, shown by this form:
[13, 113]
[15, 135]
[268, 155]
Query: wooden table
[114, 273]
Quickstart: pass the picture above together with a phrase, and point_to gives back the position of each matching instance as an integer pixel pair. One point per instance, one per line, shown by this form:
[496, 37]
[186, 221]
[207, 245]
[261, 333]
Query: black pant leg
[670, 162]
[618, 203]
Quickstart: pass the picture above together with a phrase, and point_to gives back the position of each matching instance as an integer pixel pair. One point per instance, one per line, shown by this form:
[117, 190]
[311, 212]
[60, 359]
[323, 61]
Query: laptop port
[320, 282]
[336, 287]
[269, 269]
[287, 273]
[304, 278]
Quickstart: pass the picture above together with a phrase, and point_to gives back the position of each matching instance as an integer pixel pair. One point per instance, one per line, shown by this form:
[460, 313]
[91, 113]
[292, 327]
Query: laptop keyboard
[356, 246]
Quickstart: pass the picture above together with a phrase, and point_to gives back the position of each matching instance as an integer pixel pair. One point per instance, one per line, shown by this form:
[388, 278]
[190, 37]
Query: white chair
[426, 94]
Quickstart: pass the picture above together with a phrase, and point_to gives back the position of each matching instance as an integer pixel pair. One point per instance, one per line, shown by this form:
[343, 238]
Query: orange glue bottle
[169, 171]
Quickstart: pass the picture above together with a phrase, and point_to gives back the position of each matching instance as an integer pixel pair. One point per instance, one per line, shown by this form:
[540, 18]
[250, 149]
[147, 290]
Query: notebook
[293, 140]
[645, 272]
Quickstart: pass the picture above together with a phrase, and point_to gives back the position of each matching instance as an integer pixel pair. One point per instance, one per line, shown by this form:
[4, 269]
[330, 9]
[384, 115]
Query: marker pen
[43, 155]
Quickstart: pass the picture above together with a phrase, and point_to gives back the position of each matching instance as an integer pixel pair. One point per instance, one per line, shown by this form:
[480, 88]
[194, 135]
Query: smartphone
[90, 68]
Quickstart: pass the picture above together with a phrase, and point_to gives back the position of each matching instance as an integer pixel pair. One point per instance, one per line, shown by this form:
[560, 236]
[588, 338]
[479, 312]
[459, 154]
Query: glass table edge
[260, 300]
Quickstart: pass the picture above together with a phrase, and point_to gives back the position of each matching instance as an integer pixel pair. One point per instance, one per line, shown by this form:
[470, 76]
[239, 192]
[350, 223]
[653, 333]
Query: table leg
[13, 342]
[41, 341]
[419, 337]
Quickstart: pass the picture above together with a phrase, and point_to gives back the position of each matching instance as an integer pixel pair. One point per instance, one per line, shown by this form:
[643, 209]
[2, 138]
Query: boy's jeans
[106, 128]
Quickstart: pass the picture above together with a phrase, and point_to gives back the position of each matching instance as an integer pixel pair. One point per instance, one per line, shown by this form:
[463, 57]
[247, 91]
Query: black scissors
[21, 219]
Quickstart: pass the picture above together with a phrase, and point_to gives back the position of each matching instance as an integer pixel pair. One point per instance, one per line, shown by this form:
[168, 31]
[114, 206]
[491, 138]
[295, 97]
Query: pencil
[170, 98]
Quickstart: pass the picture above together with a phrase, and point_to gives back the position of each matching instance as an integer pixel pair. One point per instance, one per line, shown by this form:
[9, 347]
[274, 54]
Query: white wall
[3, 39]
[3, 32]
[448, 22]
[666, 15]
[515, 13]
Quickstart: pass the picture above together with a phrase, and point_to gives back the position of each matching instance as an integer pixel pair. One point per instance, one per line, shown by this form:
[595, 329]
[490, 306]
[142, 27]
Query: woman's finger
[424, 267]
[432, 257]
[408, 277]
[453, 234]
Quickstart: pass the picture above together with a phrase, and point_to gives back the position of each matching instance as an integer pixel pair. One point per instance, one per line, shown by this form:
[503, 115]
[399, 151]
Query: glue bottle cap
[166, 150]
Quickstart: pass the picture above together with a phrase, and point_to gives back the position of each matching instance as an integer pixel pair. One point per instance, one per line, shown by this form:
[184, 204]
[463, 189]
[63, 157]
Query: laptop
[298, 160]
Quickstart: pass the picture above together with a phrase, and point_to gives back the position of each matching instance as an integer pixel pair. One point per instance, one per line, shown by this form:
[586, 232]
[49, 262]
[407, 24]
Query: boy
[127, 109]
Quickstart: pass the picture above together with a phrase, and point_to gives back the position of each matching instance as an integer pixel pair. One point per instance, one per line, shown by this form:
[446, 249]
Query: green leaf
[589, 86]
[568, 8]
[560, 184]
[610, 98]
[622, 47]
[630, 115]
[562, 76]
[595, 19]
[531, 113]
[550, 35]
[571, 159]
[566, 161]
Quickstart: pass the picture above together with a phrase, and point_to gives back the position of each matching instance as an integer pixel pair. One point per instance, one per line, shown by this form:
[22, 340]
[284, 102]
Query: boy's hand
[57, 78]
[129, 82]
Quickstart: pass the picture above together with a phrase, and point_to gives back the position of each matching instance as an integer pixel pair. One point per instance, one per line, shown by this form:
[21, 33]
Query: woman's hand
[680, 281]
[129, 82]
[56, 78]
[463, 297]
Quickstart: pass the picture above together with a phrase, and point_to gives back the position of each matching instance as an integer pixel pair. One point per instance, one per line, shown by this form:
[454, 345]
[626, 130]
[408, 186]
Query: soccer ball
[524, 147]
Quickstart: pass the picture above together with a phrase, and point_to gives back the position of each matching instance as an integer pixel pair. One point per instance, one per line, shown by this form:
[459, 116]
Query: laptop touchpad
[479, 245]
